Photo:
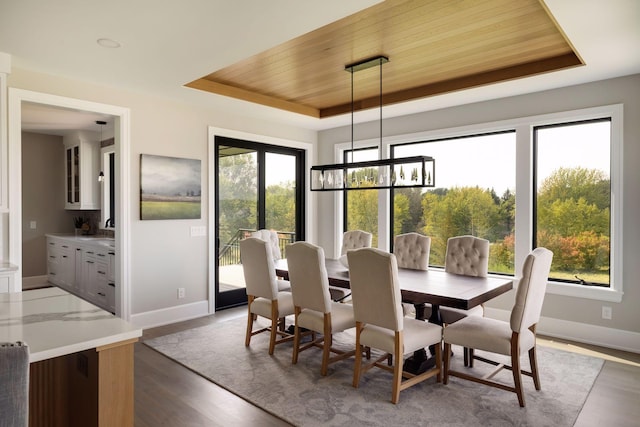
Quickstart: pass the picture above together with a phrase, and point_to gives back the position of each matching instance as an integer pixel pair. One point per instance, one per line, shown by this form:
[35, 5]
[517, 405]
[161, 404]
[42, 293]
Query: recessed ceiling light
[108, 43]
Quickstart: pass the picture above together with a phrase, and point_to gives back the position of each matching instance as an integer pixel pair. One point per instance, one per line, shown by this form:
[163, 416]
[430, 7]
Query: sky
[485, 161]
[169, 175]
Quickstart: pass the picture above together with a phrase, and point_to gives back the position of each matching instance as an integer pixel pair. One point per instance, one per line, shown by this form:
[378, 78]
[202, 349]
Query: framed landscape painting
[170, 187]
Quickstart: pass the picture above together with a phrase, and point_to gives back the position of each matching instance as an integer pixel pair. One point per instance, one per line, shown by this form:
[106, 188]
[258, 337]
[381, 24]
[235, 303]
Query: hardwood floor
[168, 394]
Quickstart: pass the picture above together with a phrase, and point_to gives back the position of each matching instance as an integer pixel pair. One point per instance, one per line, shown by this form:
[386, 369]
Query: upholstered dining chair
[506, 338]
[412, 251]
[14, 384]
[263, 296]
[314, 310]
[465, 256]
[380, 322]
[271, 237]
[352, 239]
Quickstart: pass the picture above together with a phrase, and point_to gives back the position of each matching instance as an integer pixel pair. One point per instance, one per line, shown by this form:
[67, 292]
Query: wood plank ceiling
[434, 47]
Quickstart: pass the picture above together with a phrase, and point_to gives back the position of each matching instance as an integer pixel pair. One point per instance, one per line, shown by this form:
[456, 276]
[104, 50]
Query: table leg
[420, 362]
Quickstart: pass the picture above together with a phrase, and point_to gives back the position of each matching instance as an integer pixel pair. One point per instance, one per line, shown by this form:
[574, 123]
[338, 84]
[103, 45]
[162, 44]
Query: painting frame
[170, 187]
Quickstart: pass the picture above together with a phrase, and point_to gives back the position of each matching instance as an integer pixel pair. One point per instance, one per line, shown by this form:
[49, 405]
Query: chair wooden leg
[439, 361]
[296, 337]
[326, 347]
[515, 369]
[471, 357]
[358, 357]
[447, 361]
[533, 361]
[274, 326]
[397, 368]
[466, 356]
[250, 319]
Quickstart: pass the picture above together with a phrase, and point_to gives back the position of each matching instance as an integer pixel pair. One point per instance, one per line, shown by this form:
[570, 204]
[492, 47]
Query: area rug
[301, 396]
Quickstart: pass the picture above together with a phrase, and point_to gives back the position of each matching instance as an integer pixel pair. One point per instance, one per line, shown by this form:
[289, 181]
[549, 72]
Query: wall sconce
[101, 176]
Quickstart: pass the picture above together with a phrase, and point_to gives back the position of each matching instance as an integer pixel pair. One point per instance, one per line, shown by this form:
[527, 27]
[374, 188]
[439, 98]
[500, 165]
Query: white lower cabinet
[83, 269]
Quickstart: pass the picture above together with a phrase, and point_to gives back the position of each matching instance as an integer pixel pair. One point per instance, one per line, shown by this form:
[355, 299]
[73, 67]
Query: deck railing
[229, 253]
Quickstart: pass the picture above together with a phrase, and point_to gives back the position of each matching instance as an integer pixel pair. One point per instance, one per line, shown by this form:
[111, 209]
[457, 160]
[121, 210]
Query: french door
[257, 186]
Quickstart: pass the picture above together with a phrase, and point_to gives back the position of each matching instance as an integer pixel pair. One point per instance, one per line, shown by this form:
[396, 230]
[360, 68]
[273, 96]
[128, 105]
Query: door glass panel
[237, 212]
[280, 197]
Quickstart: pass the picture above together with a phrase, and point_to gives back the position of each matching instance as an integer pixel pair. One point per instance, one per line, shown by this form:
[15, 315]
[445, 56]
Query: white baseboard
[579, 332]
[165, 316]
[34, 282]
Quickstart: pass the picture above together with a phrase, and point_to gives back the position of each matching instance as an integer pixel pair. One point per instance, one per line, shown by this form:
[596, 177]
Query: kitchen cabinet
[84, 267]
[61, 264]
[82, 166]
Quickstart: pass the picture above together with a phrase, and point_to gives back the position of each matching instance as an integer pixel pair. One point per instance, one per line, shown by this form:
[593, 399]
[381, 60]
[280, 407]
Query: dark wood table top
[435, 287]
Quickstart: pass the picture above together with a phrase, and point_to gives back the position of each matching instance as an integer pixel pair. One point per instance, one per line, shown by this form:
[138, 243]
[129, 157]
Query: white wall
[626, 90]
[163, 255]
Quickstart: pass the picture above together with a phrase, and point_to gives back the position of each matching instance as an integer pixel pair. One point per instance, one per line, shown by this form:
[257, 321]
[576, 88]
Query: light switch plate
[198, 231]
[33, 225]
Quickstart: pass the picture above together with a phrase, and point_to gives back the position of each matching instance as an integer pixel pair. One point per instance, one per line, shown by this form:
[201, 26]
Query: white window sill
[579, 291]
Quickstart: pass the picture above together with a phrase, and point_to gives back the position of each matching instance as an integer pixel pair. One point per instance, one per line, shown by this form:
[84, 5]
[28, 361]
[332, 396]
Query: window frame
[523, 127]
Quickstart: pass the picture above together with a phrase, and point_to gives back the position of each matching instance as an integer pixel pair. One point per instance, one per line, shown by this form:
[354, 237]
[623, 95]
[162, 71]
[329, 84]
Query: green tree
[462, 210]
[237, 181]
[401, 215]
[362, 212]
[593, 185]
[280, 209]
[573, 221]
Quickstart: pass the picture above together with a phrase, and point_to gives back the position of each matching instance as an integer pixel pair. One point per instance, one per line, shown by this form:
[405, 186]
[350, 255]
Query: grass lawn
[169, 210]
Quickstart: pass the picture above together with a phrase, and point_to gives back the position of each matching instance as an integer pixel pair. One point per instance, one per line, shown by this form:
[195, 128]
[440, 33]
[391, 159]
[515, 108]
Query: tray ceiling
[434, 47]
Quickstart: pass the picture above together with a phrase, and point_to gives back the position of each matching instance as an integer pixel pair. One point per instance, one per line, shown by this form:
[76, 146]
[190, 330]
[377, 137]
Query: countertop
[109, 242]
[54, 323]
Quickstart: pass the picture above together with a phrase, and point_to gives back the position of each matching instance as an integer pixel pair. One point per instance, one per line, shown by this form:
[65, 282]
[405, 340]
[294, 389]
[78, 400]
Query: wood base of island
[85, 389]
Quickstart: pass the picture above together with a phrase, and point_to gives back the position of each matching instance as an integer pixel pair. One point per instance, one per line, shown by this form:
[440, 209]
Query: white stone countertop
[53, 322]
[109, 242]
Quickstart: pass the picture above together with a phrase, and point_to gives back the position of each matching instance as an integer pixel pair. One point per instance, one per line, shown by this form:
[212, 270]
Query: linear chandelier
[404, 172]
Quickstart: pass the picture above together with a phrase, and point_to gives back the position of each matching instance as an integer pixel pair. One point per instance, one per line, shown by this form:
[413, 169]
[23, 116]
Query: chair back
[271, 237]
[308, 277]
[375, 290]
[14, 384]
[531, 289]
[258, 267]
[355, 239]
[467, 256]
[412, 251]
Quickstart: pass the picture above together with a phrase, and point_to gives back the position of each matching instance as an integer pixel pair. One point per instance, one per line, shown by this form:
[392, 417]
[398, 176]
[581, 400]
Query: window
[361, 206]
[108, 219]
[474, 195]
[564, 173]
[572, 199]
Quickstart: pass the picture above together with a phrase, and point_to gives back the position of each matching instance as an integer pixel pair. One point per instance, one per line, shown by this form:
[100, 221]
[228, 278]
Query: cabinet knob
[113, 285]
[101, 294]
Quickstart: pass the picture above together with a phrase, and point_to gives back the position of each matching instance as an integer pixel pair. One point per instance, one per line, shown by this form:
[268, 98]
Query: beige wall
[625, 90]
[163, 254]
[43, 183]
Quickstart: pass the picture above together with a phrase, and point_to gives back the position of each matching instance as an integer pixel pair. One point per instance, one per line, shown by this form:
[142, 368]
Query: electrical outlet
[606, 312]
[33, 225]
[180, 293]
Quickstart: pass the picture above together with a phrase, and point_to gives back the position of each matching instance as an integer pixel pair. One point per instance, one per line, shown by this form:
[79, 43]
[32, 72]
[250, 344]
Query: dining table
[420, 287]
